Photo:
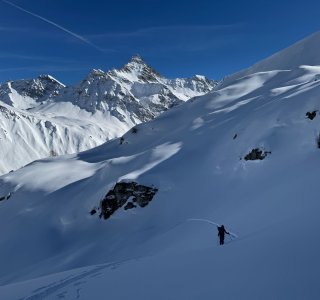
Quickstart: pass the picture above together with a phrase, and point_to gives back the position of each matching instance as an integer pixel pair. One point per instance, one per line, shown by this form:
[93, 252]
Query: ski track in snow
[70, 284]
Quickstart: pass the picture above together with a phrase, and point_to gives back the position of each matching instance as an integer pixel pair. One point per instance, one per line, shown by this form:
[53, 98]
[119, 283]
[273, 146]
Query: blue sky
[178, 38]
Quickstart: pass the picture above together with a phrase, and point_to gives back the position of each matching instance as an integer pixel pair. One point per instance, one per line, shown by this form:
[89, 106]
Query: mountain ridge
[102, 106]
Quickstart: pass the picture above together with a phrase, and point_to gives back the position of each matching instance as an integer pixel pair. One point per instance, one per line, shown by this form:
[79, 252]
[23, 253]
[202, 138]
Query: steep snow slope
[26, 136]
[194, 154]
[45, 118]
[304, 52]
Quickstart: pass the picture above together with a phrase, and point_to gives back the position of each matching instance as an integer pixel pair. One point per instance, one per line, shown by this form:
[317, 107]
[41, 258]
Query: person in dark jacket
[221, 232]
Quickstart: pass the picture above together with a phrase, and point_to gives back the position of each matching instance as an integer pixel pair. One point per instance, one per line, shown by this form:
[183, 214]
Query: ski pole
[213, 223]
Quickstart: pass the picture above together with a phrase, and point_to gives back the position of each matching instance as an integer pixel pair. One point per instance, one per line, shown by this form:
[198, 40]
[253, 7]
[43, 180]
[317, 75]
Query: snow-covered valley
[244, 155]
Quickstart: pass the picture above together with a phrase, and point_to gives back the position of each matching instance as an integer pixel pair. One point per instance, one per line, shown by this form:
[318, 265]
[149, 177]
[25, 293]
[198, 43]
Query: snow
[52, 130]
[71, 171]
[17, 100]
[157, 155]
[194, 154]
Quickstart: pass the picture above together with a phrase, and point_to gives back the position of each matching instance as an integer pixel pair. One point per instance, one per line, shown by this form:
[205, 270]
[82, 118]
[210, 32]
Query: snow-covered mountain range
[127, 219]
[42, 117]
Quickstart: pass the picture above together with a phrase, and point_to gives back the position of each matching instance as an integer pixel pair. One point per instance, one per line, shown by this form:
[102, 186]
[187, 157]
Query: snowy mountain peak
[95, 74]
[199, 77]
[49, 79]
[29, 93]
[138, 70]
[137, 58]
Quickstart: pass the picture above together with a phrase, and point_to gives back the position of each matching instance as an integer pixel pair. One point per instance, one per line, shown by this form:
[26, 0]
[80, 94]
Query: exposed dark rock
[120, 194]
[7, 197]
[53, 153]
[134, 130]
[121, 140]
[93, 212]
[129, 205]
[311, 115]
[257, 154]
[235, 136]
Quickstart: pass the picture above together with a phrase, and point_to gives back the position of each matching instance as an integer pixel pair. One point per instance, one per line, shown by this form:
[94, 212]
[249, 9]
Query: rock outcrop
[257, 154]
[311, 114]
[129, 193]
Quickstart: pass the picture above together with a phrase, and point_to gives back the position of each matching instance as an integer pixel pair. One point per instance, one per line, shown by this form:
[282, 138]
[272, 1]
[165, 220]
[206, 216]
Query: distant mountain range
[42, 117]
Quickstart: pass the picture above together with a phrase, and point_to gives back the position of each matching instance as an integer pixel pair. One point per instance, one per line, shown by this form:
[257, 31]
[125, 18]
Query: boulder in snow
[311, 114]
[257, 154]
[121, 193]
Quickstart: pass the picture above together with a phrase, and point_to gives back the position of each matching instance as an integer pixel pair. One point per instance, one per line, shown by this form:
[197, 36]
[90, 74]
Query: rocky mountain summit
[136, 91]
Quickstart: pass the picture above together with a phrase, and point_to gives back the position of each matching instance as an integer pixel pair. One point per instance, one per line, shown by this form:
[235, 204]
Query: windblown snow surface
[52, 248]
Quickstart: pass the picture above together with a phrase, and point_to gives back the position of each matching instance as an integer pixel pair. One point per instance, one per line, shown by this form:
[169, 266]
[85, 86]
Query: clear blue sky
[176, 37]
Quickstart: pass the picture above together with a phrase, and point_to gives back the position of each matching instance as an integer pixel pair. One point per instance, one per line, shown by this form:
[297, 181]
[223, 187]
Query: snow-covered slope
[304, 52]
[26, 136]
[198, 157]
[42, 117]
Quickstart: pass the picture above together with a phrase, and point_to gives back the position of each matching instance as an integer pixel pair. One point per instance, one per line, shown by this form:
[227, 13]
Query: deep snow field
[51, 247]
